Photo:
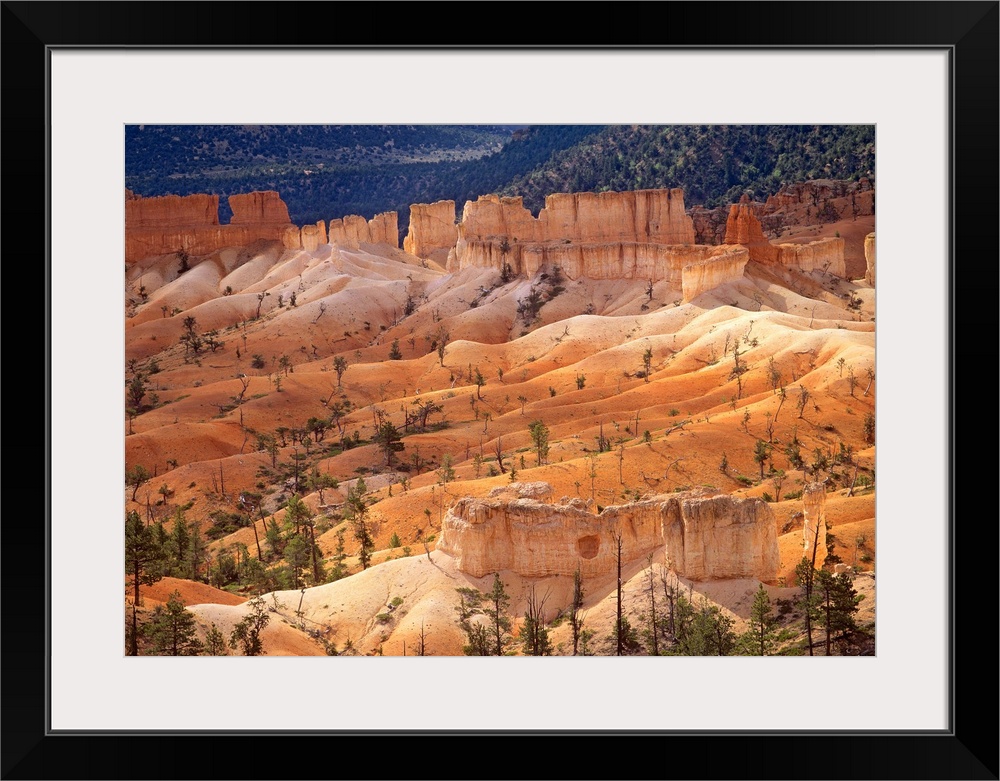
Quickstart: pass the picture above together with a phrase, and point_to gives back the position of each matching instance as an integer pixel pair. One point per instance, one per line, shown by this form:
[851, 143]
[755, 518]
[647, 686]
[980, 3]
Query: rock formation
[745, 229]
[870, 259]
[313, 236]
[172, 223]
[709, 224]
[721, 537]
[814, 499]
[171, 211]
[860, 195]
[718, 266]
[643, 234]
[352, 230]
[258, 208]
[706, 537]
[643, 216]
[432, 232]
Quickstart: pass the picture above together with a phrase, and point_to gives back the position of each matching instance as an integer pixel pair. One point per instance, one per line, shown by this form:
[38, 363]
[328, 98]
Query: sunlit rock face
[432, 230]
[870, 258]
[706, 537]
[172, 223]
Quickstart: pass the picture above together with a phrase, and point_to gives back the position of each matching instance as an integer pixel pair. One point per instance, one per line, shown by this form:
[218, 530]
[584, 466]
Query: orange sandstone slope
[680, 392]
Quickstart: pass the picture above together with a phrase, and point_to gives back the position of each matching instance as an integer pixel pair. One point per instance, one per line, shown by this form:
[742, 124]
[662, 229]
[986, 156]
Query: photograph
[499, 390]
[534, 361]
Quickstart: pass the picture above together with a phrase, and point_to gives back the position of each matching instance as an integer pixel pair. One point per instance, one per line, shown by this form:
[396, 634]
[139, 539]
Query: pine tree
[357, 511]
[215, 643]
[837, 602]
[759, 637]
[497, 611]
[246, 634]
[143, 559]
[171, 629]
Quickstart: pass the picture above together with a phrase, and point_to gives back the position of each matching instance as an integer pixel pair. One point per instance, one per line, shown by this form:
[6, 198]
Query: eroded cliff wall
[172, 223]
[870, 258]
[353, 230]
[706, 537]
[744, 228]
[432, 231]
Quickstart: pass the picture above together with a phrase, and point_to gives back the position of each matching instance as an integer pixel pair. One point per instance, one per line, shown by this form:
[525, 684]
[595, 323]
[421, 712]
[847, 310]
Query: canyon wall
[173, 223]
[718, 266]
[643, 216]
[721, 537]
[706, 537]
[432, 231]
[171, 211]
[258, 208]
[743, 228]
[643, 234]
[353, 230]
[859, 195]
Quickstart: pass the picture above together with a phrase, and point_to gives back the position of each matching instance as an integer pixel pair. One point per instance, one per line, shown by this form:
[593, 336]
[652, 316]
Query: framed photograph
[923, 74]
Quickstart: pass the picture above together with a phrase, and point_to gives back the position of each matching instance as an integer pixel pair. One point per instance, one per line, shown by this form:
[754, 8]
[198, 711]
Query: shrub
[258, 362]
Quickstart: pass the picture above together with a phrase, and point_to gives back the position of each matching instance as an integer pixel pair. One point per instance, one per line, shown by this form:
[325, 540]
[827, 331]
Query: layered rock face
[719, 266]
[172, 223]
[633, 235]
[171, 211]
[870, 258]
[721, 537]
[432, 231]
[352, 230]
[706, 537]
[814, 499]
[313, 236]
[860, 195]
[643, 216]
[743, 228]
[258, 208]
[709, 224]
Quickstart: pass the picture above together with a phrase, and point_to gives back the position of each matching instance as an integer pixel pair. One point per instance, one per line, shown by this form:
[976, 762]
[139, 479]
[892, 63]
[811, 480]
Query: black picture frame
[968, 750]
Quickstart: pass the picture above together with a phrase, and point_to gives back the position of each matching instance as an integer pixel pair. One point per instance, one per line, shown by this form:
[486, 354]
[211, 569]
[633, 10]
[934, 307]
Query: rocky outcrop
[706, 537]
[313, 236]
[258, 208]
[814, 499]
[870, 259]
[820, 255]
[643, 234]
[719, 266]
[641, 216]
[352, 230]
[709, 224]
[432, 231]
[172, 223]
[744, 228]
[860, 195]
[171, 211]
[721, 537]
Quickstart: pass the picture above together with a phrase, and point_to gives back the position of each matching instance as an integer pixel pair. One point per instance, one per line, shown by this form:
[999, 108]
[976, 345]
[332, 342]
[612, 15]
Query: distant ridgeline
[368, 170]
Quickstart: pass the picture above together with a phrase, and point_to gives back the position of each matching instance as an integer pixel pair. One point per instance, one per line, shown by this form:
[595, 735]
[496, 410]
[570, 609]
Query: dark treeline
[325, 172]
[714, 164]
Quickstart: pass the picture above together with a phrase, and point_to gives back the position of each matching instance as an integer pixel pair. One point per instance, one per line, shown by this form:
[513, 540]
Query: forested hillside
[714, 164]
[324, 172]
